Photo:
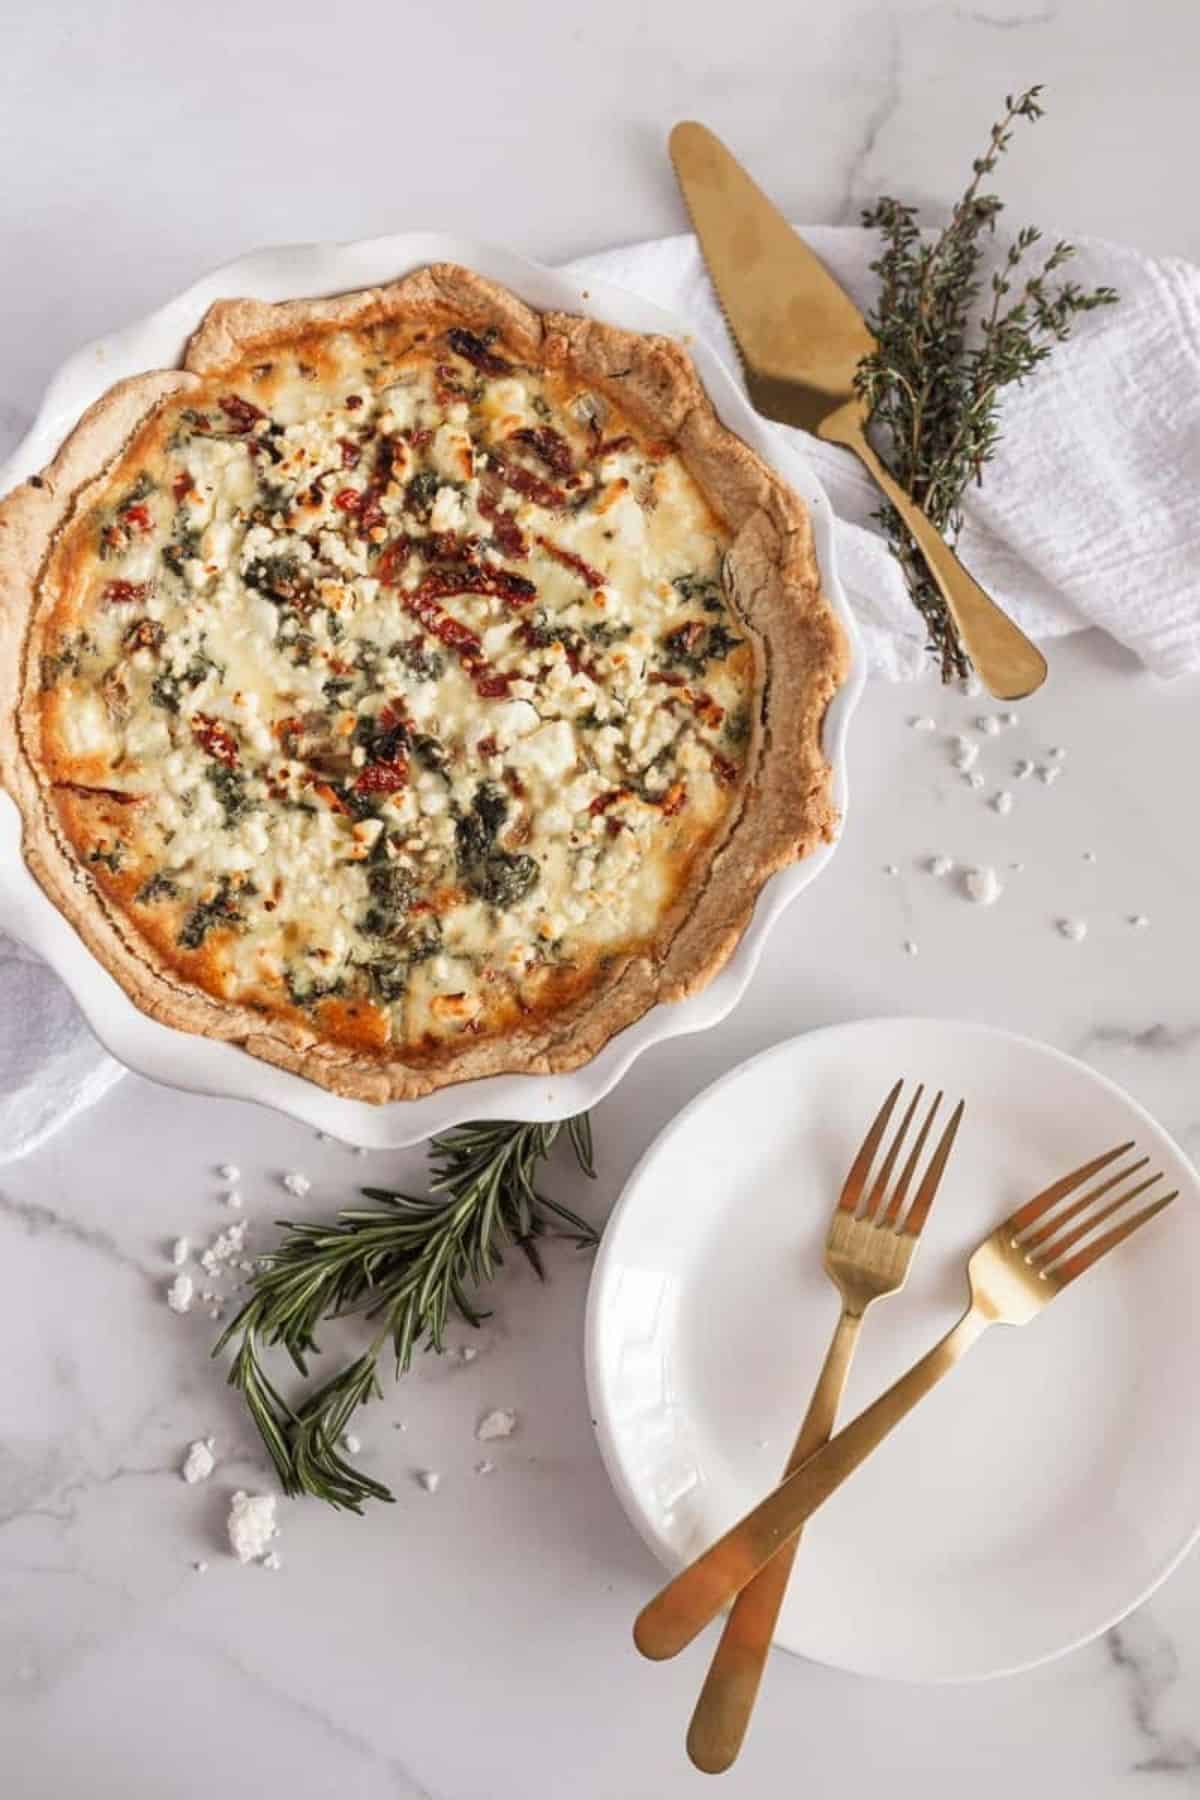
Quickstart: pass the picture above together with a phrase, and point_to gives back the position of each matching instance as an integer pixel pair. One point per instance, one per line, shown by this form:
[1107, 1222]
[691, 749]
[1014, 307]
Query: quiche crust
[781, 808]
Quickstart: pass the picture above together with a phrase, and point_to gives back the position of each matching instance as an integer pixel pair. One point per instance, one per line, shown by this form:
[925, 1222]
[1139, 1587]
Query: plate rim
[599, 1411]
[197, 1064]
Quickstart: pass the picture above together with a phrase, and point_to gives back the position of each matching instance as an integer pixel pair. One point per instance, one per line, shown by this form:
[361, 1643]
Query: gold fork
[868, 1252]
[1013, 1274]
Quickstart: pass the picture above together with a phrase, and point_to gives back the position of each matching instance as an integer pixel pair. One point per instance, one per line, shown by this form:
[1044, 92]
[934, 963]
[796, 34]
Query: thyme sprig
[407, 1265]
[933, 383]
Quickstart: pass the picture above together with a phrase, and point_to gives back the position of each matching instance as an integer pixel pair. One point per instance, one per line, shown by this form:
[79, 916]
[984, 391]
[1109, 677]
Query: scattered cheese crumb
[890, 869]
[1089, 856]
[233, 1198]
[965, 755]
[467, 1353]
[1009, 719]
[229, 1172]
[251, 1525]
[982, 886]
[179, 1252]
[971, 686]
[200, 1567]
[226, 1247]
[1139, 921]
[1075, 929]
[486, 1467]
[272, 1560]
[498, 1424]
[179, 1294]
[988, 723]
[975, 779]
[1046, 775]
[350, 1444]
[199, 1462]
[1023, 768]
[430, 1480]
[1056, 753]
[297, 1184]
[1002, 802]
[940, 865]
[910, 947]
[922, 724]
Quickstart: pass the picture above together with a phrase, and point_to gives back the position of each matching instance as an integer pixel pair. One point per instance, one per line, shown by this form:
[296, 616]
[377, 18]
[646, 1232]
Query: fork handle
[696, 1595]
[1007, 663]
[731, 1685]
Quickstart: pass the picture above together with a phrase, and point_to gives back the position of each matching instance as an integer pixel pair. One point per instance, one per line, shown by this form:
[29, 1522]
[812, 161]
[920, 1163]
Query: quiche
[411, 686]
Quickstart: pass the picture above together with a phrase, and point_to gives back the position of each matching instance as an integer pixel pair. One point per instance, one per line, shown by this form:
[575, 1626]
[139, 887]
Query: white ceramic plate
[197, 1063]
[1044, 1489]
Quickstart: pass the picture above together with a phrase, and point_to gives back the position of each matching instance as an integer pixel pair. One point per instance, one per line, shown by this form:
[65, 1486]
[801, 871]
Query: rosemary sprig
[407, 1264]
[933, 383]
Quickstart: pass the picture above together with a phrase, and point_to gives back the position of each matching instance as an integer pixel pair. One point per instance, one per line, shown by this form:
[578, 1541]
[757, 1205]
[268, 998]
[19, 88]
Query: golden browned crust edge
[783, 810]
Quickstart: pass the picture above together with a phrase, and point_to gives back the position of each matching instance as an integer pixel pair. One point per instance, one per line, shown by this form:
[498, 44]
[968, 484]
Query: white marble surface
[474, 1645]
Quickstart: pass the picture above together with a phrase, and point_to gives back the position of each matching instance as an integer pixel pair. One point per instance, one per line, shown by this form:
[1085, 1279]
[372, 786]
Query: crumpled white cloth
[1090, 512]
[51, 1066]
[1089, 515]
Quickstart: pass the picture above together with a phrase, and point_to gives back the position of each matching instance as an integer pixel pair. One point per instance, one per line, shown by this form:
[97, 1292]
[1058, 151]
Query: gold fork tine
[1058, 1190]
[910, 1167]
[879, 1189]
[1059, 1246]
[1056, 1223]
[1083, 1259]
[860, 1168]
[918, 1212]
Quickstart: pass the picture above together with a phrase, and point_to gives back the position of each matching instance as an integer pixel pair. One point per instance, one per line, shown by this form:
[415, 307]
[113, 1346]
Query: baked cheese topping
[402, 691]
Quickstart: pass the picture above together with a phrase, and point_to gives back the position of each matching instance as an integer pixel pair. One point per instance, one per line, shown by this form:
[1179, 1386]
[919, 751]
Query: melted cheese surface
[402, 691]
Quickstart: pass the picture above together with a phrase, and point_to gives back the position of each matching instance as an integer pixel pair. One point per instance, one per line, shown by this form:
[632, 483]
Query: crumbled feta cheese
[982, 886]
[1002, 802]
[467, 1353]
[229, 1172]
[910, 949]
[351, 1444]
[974, 779]
[1009, 718]
[251, 1525]
[1047, 774]
[966, 755]
[272, 1560]
[179, 1294]
[179, 1252]
[1139, 921]
[1056, 753]
[1089, 856]
[429, 1479]
[233, 1198]
[971, 686]
[940, 865]
[199, 1462]
[485, 1467]
[890, 869]
[1074, 929]
[988, 723]
[200, 1567]
[1023, 768]
[501, 1423]
[922, 724]
[297, 1184]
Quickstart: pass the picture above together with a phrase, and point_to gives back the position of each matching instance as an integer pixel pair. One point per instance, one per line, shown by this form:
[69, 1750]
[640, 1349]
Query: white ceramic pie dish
[202, 1065]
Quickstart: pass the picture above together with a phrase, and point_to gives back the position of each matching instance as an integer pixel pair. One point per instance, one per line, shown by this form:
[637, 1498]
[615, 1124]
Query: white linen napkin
[1089, 515]
[1090, 512]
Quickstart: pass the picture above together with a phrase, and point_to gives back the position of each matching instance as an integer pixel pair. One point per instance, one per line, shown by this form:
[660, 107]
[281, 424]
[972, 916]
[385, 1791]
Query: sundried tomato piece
[477, 351]
[215, 739]
[243, 415]
[119, 593]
